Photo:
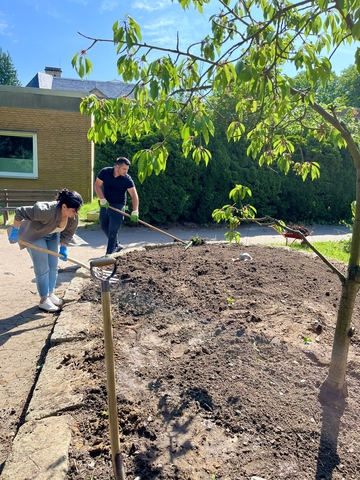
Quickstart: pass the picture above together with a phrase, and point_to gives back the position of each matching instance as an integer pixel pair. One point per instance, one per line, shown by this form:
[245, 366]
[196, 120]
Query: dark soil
[218, 368]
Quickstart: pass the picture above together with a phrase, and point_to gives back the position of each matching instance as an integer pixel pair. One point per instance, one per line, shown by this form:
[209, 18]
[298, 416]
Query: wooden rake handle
[50, 252]
[148, 225]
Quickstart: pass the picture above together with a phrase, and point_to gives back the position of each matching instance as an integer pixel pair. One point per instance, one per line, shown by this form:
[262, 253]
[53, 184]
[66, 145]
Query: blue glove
[63, 251]
[14, 235]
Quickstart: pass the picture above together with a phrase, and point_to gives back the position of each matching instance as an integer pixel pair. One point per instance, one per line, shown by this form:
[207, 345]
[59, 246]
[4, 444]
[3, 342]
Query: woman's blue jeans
[45, 265]
[110, 223]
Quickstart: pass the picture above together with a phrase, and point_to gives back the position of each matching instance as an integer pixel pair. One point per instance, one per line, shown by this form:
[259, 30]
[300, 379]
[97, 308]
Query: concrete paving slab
[40, 450]
[73, 324]
[61, 386]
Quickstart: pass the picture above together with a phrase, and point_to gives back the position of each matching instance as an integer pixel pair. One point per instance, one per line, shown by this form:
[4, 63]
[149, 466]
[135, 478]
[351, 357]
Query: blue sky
[40, 33]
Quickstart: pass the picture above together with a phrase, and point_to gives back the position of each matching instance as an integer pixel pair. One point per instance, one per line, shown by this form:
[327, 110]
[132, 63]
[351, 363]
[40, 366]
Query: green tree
[325, 94]
[341, 90]
[8, 73]
[248, 44]
[349, 86]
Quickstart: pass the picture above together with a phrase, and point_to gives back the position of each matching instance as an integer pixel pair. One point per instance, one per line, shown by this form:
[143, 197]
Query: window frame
[35, 171]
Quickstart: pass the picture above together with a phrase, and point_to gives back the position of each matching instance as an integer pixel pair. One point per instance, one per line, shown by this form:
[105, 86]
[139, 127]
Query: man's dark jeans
[110, 223]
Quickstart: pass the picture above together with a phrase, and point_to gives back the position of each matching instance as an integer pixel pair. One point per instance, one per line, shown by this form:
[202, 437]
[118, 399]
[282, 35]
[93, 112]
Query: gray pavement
[30, 337]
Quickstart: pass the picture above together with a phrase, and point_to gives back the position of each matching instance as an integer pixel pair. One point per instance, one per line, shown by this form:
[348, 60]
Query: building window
[18, 155]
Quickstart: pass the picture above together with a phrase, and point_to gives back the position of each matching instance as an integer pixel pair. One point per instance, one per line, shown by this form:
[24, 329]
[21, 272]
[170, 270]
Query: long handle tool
[50, 252]
[101, 273]
[118, 466]
[187, 245]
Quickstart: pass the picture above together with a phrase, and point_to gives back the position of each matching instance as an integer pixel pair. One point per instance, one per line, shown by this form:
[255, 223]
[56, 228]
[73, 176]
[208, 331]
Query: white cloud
[108, 5]
[54, 13]
[165, 41]
[158, 24]
[4, 25]
[151, 5]
[160, 31]
[166, 30]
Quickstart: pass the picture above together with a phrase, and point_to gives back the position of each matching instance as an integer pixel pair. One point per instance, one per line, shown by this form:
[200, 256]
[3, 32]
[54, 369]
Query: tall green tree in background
[8, 73]
[339, 90]
[349, 87]
[248, 44]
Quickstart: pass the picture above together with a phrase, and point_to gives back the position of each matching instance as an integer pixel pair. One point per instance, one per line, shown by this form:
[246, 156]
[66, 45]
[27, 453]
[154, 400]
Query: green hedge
[187, 193]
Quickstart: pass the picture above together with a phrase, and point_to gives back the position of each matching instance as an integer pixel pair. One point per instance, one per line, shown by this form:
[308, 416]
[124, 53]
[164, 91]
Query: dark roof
[109, 89]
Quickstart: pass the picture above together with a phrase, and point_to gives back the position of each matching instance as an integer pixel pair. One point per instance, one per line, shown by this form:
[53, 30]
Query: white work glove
[134, 217]
[103, 203]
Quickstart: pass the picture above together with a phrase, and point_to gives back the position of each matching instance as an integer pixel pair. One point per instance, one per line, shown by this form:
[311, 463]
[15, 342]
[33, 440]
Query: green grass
[10, 221]
[89, 208]
[332, 250]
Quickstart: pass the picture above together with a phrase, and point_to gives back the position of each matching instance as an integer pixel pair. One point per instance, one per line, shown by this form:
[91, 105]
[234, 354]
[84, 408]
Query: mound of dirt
[218, 368]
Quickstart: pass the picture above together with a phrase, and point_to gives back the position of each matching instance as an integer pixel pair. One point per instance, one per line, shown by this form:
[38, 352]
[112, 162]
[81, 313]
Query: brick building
[43, 141]
[43, 136]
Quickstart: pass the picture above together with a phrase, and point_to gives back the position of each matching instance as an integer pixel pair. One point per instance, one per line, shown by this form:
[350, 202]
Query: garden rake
[72, 260]
[187, 244]
[105, 277]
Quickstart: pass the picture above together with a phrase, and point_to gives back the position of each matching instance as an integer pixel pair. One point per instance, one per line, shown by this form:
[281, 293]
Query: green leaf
[357, 59]
[239, 192]
[135, 27]
[230, 130]
[196, 155]
[165, 76]
[239, 67]
[315, 171]
[154, 89]
[205, 132]
[74, 60]
[129, 40]
[88, 66]
[81, 68]
[206, 156]
[118, 34]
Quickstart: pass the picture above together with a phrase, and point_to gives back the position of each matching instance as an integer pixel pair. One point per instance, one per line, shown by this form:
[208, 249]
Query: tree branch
[315, 250]
[340, 126]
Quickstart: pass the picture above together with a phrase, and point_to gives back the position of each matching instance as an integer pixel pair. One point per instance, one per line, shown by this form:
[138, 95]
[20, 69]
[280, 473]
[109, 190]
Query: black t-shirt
[115, 188]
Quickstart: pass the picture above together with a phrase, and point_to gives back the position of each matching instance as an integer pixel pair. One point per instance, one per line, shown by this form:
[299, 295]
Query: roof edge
[41, 91]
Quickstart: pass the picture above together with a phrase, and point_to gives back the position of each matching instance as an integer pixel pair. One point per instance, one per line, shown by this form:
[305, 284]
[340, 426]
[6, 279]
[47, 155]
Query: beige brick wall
[65, 155]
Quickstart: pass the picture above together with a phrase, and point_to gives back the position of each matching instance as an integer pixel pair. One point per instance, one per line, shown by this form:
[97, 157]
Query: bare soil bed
[218, 368]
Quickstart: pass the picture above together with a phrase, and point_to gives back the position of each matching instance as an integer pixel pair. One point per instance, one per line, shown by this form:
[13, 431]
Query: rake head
[98, 271]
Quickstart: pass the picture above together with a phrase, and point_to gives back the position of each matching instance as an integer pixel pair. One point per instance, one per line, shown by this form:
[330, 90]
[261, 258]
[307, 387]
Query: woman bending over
[47, 225]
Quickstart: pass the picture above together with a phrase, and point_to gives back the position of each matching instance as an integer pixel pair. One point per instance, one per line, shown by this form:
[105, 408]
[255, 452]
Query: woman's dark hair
[70, 198]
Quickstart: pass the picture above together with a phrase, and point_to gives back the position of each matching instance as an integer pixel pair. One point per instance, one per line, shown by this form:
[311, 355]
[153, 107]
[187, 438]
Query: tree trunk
[335, 387]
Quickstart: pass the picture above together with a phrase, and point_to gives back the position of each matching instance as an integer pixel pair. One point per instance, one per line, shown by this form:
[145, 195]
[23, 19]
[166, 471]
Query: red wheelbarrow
[296, 236]
[296, 232]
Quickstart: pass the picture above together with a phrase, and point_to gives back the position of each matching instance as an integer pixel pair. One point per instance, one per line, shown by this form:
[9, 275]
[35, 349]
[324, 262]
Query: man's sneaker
[118, 248]
[48, 306]
[56, 301]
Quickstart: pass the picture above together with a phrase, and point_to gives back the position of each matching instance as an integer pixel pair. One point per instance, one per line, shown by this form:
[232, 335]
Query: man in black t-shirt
[111, 186]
